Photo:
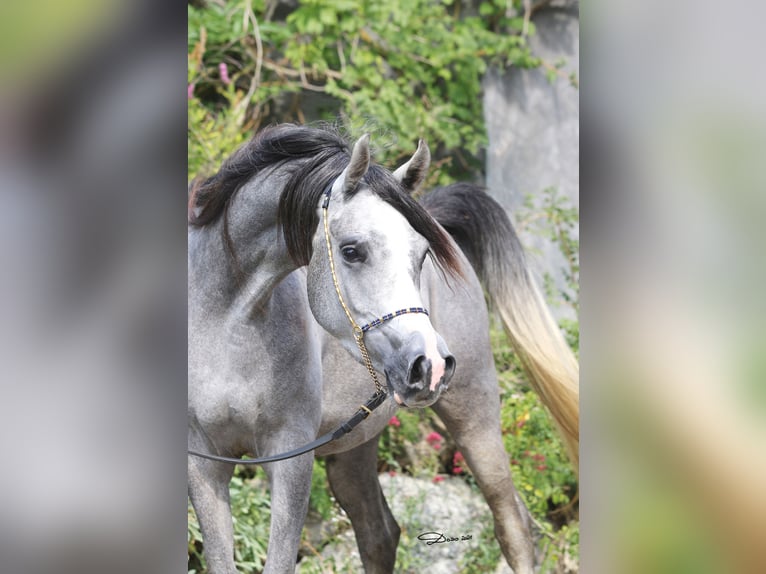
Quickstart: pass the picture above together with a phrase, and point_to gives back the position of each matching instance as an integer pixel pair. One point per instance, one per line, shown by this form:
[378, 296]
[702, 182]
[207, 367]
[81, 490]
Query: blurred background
[93, 162]
[93, 286]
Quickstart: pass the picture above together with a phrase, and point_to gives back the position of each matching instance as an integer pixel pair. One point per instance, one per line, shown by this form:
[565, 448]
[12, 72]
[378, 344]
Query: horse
[485, 250]
[254, 358]
[493, 261]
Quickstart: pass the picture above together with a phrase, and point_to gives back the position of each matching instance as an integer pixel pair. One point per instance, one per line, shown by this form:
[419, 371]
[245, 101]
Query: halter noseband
[358, 331]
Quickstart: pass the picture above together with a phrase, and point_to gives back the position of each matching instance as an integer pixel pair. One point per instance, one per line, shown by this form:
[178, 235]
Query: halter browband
[365, 410]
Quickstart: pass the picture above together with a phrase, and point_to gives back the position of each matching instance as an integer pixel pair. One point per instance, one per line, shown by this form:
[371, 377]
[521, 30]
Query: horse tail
[481, 228]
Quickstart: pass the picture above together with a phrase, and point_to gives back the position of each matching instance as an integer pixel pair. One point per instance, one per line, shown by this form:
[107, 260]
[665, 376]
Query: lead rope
[358, 331]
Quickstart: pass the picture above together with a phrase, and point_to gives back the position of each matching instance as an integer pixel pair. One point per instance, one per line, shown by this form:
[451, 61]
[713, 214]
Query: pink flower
[435, 440]
[391, 473]
[190, 91]
[224, 72]
[394, 421]
[541, 467]
[457, 460]
[438, 478]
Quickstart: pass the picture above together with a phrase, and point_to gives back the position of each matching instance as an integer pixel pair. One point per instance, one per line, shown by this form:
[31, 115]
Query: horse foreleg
[290, 485]
[473, 420]
[354, 481]
[209, 493]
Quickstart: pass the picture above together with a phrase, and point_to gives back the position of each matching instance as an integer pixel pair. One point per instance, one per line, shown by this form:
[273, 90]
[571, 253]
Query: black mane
[210, 197]
[320, 155]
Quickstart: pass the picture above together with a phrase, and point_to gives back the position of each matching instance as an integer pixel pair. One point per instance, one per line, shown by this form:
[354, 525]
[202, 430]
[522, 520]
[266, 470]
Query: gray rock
[420, 506]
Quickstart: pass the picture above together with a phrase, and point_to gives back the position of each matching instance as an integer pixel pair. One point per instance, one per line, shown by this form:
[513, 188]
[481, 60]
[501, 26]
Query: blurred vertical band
[93, 286]
[672, 345]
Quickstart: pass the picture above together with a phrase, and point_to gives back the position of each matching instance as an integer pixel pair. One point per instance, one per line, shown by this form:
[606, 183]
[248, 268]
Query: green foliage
[550, 214]
[484, 558]
[251, 512]
[322, 501]
[251, 508]
[541, 471]
[412, 526]
[405, 69]
[562, 549]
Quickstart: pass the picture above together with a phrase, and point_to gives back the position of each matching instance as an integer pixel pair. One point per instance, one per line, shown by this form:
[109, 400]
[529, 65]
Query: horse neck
[242, 284]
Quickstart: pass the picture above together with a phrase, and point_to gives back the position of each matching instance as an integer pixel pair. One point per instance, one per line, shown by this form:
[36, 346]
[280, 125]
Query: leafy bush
[407, 69]
[250, 505]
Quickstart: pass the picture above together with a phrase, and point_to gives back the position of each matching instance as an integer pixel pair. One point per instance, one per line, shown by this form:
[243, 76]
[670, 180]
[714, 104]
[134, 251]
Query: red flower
[541, 467]
[457, 461]
[391, 473]
[394, 421]
[435, 440]
[438, 478]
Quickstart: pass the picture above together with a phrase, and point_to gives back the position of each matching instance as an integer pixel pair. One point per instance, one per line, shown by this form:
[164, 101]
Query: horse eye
[350, 254]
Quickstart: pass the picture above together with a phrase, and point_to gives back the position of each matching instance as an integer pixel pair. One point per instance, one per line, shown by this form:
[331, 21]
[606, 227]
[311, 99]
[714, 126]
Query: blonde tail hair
[485, 234]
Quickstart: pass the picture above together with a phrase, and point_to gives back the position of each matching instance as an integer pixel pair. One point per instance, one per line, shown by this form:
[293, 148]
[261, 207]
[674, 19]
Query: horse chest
[239, 373]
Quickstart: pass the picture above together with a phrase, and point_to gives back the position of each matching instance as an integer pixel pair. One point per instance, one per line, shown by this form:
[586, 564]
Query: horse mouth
[393, 393]
[414, 402]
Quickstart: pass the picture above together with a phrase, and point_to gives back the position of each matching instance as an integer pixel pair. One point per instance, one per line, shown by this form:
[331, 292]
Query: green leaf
[486, 8]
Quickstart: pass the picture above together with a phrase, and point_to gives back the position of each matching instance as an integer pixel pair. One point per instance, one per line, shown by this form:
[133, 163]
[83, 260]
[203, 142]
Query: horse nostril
[449, 367]
[419, 371]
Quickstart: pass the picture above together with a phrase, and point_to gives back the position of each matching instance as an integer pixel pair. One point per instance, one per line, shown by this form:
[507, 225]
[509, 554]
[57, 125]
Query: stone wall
[533, 125]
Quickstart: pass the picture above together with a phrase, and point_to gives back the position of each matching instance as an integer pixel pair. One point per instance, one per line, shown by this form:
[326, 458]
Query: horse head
[374, 245]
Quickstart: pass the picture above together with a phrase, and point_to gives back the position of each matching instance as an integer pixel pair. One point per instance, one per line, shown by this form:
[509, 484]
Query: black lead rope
[362, 413]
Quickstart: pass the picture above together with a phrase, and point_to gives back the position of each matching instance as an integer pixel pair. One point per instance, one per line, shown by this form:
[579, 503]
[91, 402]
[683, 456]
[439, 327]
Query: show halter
[372, 403]
[358, 331]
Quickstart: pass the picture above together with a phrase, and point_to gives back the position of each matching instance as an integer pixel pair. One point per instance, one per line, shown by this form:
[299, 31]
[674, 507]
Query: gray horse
[255, 374]
[470, 408]
[254, 382]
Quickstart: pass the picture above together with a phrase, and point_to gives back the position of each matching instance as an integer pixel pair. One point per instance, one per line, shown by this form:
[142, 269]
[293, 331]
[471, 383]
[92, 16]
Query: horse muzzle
[424, 382]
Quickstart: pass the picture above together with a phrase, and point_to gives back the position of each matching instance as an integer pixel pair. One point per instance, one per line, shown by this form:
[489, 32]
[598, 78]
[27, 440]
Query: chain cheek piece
[358, 332]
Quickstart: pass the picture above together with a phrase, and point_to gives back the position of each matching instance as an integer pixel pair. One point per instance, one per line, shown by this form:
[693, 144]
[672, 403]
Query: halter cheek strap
[358, 331]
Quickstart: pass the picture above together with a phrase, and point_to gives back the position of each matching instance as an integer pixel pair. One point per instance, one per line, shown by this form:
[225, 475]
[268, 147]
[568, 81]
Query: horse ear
[358, 166]
[413, 173]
